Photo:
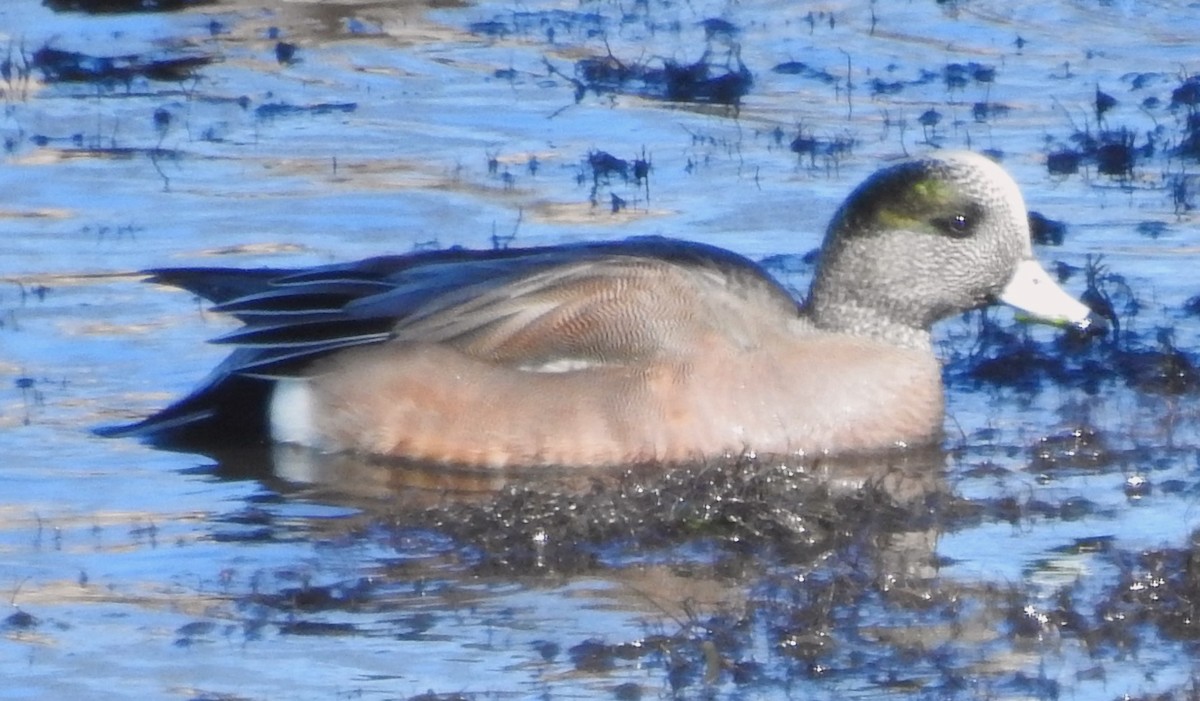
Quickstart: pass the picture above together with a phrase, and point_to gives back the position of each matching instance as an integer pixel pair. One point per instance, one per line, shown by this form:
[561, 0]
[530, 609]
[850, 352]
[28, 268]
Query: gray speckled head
[923, 240]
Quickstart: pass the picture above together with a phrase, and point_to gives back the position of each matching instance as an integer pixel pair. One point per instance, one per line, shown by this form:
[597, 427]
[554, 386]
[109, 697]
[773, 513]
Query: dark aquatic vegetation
[717, 28]
[1118, 151]
[117, 153]
[929, 119]
[285, 53]
[885, 87]
[19, 620]
[1189, 146]
[605, 168]
[1109, 296]
[549, 24]
[105, 7]
[957, 76]
[162, 120]
[984, 111]
[1115, 153]
[1184, 188]
[1046, 231]
[1064, 162]
[806, 71]
[280, 109]
[1103, 103]
[704, 81]
[830, 149]
[605, 165]
[491, 28]
[1140, 81]
[1159, 587]
[74, 67]
[739, 507]
[1187, 94]
[1152, 229]
[1014, 360]
[1082, 448]
[1164, 369]
[1192, 306]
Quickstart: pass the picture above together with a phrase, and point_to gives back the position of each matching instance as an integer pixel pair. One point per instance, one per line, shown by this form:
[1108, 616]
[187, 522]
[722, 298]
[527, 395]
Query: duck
[643, 350]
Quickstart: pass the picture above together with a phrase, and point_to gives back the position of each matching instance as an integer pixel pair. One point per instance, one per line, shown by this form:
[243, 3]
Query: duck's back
[612, 307]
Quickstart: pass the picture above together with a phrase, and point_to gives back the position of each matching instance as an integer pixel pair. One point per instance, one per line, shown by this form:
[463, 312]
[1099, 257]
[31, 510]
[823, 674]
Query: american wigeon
[626, 352]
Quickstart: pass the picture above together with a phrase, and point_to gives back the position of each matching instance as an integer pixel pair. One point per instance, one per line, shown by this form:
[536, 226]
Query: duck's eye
[958, 225]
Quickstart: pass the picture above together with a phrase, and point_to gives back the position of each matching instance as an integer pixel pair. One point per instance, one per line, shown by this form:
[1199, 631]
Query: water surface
[1043, 554]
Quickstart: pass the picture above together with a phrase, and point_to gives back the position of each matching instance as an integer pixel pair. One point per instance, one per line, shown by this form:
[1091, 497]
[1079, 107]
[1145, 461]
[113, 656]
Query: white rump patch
[292, 413]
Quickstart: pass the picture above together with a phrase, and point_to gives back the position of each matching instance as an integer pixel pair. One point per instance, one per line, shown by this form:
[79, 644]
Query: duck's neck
[848, 316]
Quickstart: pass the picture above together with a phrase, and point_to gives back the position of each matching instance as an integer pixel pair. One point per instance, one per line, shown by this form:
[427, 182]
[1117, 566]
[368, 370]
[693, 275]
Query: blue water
[156, 574]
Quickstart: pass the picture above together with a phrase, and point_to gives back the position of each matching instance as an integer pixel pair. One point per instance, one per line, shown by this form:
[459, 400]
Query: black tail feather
[229, 413]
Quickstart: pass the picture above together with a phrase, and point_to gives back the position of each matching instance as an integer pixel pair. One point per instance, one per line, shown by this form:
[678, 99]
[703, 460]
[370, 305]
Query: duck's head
[926, 239]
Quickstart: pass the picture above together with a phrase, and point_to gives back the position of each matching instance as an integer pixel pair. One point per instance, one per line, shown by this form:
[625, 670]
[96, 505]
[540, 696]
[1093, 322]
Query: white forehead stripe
[995, 177]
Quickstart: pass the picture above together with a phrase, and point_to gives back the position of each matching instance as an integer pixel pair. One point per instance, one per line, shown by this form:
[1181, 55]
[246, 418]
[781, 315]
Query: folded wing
[539, 309]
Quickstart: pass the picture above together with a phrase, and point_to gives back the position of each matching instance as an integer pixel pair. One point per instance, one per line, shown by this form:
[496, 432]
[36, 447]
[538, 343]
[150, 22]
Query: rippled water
[1046, 554]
